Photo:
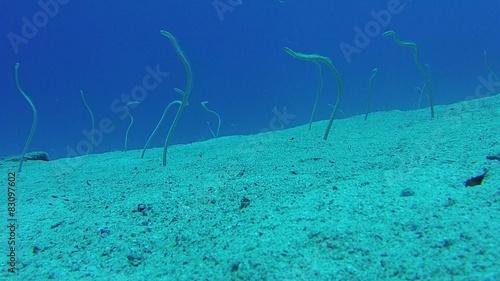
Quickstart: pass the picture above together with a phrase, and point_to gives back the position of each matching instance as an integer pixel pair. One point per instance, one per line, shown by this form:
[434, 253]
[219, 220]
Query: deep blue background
[238, 62]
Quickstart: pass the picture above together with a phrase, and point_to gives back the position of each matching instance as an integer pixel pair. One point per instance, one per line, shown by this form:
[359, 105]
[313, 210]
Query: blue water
[235, 49]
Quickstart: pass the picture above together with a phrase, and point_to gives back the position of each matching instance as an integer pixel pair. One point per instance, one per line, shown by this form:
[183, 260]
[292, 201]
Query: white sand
[318, 210]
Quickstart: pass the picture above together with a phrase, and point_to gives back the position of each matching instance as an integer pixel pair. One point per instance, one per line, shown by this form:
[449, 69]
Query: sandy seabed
[382, 199]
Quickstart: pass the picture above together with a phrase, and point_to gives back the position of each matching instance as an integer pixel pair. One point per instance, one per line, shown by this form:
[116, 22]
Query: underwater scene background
[307, 140]
[238, 63]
